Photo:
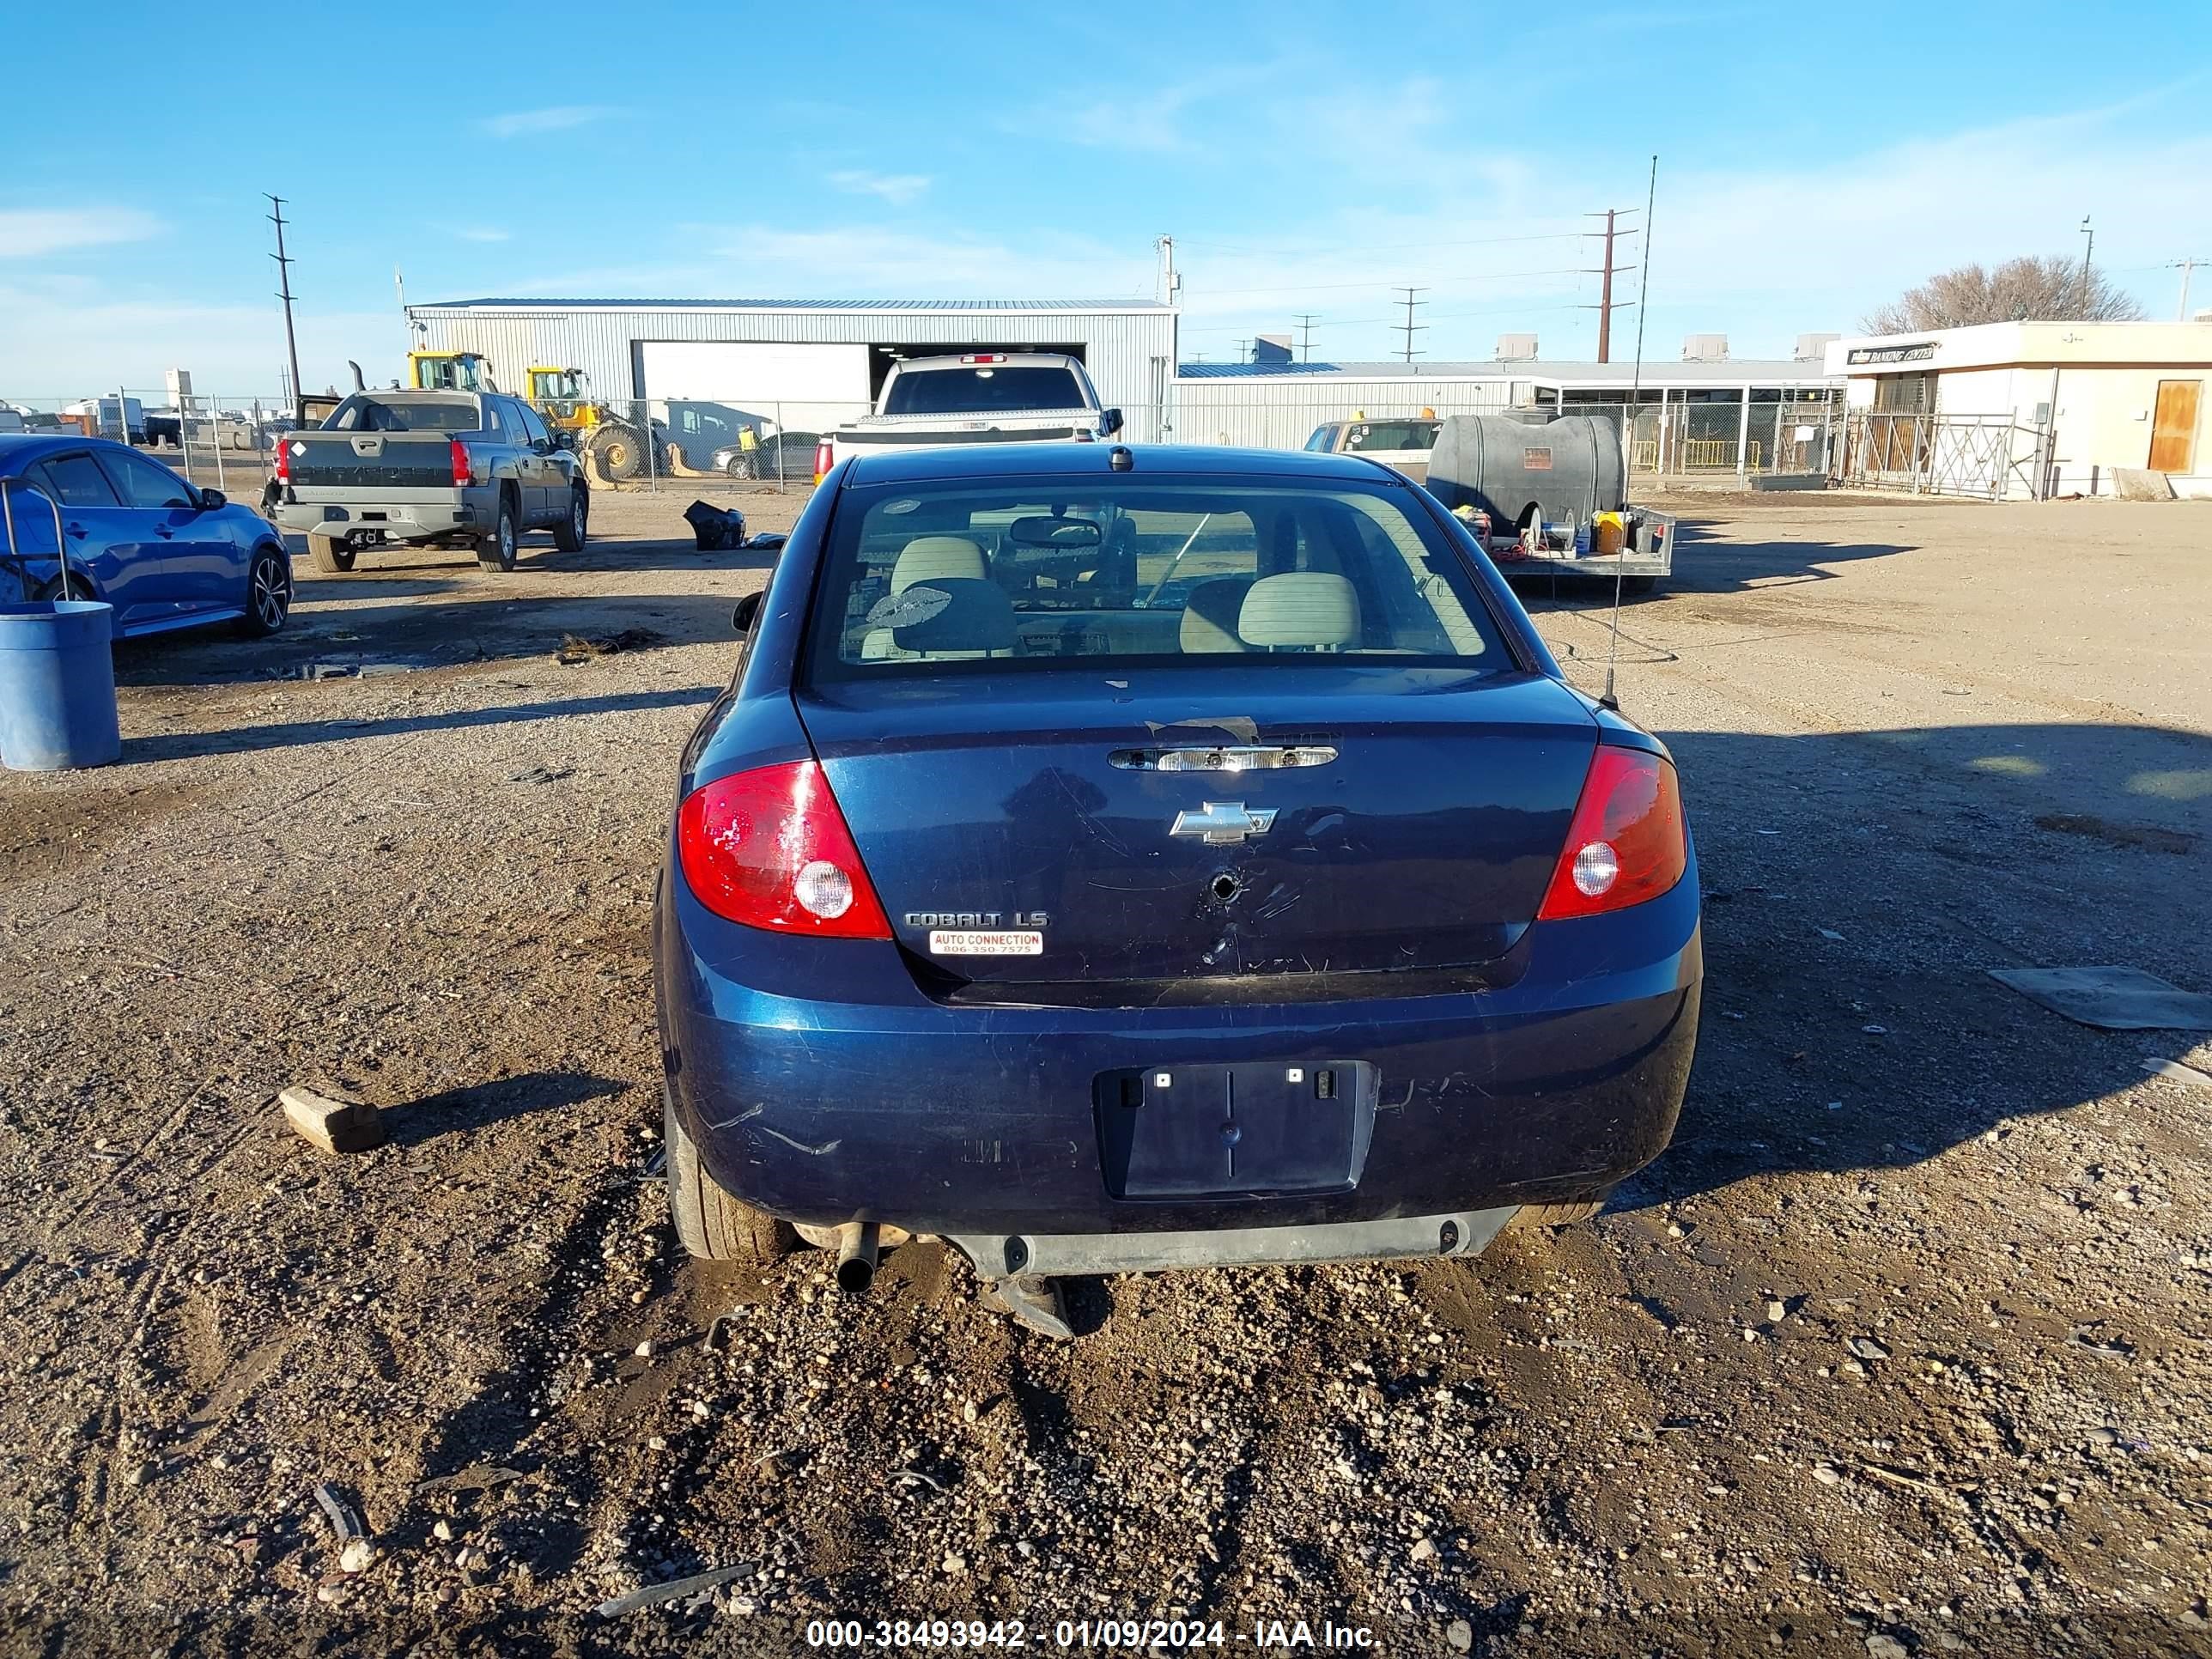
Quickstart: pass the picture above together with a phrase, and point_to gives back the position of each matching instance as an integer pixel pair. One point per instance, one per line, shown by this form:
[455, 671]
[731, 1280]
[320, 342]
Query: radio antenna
[1635, 395]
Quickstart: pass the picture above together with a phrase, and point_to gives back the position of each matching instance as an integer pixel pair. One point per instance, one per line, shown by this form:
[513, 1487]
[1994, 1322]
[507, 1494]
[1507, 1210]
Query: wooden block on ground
[335, 1126]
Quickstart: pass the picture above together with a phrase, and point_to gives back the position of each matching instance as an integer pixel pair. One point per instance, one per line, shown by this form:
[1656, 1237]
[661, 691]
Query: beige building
[2029, 410]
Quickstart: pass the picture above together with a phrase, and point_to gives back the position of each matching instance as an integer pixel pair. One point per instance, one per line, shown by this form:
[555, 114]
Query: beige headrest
[1310, 608]
[928, 556]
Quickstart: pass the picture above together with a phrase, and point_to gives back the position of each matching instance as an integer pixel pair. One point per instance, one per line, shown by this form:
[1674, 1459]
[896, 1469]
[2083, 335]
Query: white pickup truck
[983, 397]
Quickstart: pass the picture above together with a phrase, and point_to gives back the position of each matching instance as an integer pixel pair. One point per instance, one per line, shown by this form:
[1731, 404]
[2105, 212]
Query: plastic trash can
[57, 686]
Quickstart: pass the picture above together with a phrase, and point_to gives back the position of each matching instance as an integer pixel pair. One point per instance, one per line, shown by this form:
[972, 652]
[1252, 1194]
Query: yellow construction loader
[612, 445]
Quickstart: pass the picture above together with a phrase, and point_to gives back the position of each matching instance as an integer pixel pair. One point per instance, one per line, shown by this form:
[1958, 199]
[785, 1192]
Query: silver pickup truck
[440, 469]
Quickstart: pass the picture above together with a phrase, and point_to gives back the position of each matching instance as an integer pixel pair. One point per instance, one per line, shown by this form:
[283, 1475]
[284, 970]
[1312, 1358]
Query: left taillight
[462, 476]
[824, 459]
[770, 849]
[283, 461]
[1626, 844]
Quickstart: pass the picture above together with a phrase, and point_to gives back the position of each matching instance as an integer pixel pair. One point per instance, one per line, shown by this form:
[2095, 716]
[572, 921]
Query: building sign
[1906, 353]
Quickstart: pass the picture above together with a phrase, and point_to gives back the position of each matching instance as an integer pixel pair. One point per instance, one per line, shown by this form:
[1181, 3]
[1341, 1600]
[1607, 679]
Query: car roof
[1006, 359]
[1038, 460]
[21, 449]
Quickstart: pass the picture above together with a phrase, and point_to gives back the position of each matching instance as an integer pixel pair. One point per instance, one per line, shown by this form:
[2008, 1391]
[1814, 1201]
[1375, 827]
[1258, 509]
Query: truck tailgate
[369, 461]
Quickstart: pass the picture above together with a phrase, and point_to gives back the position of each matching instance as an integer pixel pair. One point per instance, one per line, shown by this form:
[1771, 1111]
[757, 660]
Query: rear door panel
[988, 802]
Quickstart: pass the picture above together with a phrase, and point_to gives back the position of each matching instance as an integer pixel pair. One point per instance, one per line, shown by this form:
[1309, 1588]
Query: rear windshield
[399, 414]
[1392, 434]
[984, 389]
[1031, 573]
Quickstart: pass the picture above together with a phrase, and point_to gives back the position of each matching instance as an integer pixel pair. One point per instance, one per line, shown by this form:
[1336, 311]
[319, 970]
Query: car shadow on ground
[380, 633]
[248, 739]
[1703, 566]
[478, 1106]
[674, 551]
[1859, 888]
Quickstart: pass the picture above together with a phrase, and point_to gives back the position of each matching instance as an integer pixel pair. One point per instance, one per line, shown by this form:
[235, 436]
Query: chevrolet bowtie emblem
[1223, 821]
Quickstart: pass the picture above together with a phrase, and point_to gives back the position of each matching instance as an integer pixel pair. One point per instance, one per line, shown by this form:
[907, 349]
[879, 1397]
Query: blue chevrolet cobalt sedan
[164, 553]
[1108, 860]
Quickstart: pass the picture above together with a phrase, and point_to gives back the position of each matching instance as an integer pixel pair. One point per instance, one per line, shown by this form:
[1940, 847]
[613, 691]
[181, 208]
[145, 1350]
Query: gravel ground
[1902, 1348]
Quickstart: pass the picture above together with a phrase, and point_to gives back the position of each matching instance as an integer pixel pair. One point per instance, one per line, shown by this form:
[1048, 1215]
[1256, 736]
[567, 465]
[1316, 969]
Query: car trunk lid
[1048, 827]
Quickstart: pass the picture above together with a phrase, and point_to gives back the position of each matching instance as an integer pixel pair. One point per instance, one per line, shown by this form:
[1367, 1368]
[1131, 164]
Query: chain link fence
[229, 441]
[1703, 437]
[766, 443]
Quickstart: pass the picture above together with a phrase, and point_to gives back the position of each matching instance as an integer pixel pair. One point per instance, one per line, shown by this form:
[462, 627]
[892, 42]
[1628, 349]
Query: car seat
[926, 558]
[1210, 615]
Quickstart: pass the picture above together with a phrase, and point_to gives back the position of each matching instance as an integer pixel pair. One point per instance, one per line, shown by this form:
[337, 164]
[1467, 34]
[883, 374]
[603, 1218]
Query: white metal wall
[1281, 411]
[1129, 354]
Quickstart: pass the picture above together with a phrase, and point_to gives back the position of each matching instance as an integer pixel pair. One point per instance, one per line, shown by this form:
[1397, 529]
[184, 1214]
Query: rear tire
[329, 558]
[710, 1224]
[1639, 584]
[568, 534]
[268, 595]
[80, 587]
[496, 551]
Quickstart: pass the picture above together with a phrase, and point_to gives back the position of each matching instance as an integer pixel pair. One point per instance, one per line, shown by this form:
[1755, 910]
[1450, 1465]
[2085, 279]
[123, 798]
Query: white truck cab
[980, 397]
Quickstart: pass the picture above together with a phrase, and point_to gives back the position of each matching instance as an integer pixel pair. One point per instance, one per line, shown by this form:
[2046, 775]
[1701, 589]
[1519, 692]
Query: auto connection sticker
[985, 942]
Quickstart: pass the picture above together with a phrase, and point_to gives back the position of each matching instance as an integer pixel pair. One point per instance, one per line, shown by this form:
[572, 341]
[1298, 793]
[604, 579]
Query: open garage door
[707, 395]
[736, 371]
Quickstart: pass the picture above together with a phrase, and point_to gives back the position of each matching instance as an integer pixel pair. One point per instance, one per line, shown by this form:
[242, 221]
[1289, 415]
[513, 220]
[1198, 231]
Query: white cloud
[63, 338]
[29, 233]
[560, 117]
[1141, 120]
[899, 189]
[859, 262]
[1810, 237]
[484, 233]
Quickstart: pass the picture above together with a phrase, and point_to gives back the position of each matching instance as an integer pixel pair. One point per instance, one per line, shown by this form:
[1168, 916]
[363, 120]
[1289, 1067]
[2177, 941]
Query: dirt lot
[1902, 1348]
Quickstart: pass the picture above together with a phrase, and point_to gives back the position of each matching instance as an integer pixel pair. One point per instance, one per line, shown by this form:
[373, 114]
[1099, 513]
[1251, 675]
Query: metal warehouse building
[801, 364]
[1739, 415]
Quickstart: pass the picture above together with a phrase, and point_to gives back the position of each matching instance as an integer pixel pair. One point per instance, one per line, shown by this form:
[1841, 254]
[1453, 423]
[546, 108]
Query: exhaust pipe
[856, 1256]
[359, 384]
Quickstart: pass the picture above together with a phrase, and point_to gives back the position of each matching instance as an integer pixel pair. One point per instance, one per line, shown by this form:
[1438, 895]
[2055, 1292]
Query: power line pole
[1306, 323]
[1244, 351]
[1605, 305]
[2186, 267]
[2088, 248]
[1408, 328]
[284, 289]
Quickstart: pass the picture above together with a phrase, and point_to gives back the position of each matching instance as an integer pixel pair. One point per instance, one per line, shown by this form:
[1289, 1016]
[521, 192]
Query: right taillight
[770, 849]
[824, 459]
[1626, 844]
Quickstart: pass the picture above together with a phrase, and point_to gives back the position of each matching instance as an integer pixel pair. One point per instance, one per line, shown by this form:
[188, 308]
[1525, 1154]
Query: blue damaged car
[1109, 860]
[164, 553]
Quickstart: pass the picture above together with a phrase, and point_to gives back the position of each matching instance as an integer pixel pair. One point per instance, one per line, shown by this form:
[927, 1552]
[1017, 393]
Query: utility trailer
[1550, 494]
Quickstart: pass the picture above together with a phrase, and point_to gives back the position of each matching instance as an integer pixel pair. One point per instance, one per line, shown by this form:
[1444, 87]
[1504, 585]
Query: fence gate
[1988, 456]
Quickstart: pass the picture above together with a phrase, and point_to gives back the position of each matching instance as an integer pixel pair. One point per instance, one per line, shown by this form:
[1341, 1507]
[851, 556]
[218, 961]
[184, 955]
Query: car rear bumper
[822, 1085]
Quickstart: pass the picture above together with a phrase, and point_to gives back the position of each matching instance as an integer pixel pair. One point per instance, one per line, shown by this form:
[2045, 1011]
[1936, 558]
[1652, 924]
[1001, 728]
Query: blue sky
[1307, 159]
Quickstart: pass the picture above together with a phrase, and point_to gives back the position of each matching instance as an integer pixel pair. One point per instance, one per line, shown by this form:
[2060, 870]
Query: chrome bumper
[1009, 1255]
